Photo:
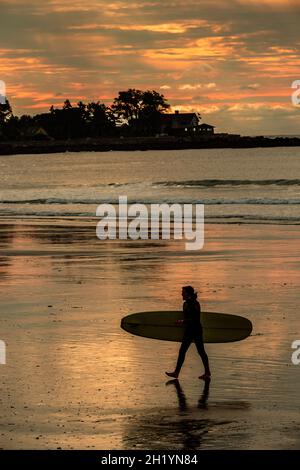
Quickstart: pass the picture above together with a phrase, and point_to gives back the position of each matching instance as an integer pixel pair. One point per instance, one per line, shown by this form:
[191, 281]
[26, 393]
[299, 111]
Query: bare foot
[205, 376]
[172, 374]
[172, 382]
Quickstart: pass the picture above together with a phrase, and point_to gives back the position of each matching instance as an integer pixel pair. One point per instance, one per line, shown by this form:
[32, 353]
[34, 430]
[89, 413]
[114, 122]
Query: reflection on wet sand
[188, 427]
[182, 403]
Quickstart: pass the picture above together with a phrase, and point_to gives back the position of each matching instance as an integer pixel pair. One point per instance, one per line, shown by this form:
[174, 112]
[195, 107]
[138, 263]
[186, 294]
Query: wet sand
[74, 379]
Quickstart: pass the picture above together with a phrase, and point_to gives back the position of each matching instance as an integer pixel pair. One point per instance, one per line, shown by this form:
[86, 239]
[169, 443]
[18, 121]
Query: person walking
[193, 332]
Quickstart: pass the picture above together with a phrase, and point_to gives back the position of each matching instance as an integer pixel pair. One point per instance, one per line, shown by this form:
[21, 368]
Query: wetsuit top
[192, 313]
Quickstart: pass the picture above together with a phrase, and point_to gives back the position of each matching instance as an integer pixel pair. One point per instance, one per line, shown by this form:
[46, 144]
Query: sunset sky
[231, 60]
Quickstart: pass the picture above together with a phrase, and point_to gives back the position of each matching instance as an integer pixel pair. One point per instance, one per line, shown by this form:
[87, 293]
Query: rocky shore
[145, 143]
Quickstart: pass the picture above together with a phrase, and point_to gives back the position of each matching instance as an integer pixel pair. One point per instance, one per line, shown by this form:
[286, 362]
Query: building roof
[203, 125]
[35, 131]
[180, 117]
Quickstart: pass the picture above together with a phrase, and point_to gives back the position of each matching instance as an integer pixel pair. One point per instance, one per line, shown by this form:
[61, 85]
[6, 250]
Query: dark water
[236, 185]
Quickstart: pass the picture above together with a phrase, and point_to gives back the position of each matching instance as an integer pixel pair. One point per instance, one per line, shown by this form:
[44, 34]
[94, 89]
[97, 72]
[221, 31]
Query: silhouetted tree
[65, 123]
[128, 105]
[101, 119]
[140, 110]
[5, 111]
[67, 104]
[6, 115]
[135, 112]
[154, 105]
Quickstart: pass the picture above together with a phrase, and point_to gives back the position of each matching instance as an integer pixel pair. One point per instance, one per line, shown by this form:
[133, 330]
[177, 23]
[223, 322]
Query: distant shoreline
[145, 143]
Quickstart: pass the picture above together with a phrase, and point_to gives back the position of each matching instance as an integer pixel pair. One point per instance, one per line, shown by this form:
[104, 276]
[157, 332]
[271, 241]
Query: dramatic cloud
[231, 60]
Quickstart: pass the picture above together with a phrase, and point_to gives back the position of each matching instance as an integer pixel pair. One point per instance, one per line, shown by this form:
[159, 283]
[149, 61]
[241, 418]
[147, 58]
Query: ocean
[260, 185]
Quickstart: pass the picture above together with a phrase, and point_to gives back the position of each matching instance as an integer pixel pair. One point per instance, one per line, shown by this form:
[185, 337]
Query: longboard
[217, 327]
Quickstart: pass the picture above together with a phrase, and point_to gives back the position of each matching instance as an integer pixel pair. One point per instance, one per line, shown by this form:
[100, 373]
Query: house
[35, 132]
[183, 123]
[206, 129]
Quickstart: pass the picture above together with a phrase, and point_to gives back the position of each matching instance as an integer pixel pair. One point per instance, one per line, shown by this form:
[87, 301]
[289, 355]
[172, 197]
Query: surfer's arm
[182, 320]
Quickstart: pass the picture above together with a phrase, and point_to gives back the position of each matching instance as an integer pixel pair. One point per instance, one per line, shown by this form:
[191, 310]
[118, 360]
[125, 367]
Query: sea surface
[235, 185]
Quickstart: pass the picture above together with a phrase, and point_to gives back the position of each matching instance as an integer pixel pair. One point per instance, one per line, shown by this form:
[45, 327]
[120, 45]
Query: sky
[233, 61]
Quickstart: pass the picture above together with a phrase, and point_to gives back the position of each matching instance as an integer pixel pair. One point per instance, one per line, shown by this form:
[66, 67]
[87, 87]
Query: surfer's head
[188, 292]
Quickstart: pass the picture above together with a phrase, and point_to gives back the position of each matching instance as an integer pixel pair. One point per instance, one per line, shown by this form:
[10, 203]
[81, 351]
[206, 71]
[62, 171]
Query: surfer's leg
[202, 353]
[182, 352]
[186, 342]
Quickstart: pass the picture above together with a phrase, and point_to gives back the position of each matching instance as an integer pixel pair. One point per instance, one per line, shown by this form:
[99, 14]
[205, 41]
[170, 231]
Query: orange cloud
[172, 28]
[216, 47]
[225, 52]
[199, 86]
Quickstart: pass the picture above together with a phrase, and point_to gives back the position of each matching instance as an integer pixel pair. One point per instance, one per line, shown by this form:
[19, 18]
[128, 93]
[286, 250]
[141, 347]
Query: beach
[74, 379]
[150, 159]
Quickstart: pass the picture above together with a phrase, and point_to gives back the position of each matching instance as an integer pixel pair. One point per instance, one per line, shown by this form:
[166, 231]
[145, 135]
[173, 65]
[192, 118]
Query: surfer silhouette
[193, 332]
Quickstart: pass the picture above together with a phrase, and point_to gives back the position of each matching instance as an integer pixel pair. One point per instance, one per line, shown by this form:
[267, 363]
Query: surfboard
[217, 327]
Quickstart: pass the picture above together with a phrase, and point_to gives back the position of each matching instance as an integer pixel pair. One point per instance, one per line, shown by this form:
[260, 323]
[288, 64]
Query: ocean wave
[209, 202]
[212, 218]
[230, 182]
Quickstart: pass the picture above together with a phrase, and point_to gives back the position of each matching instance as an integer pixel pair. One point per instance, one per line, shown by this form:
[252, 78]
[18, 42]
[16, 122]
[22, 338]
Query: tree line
[132, 113]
